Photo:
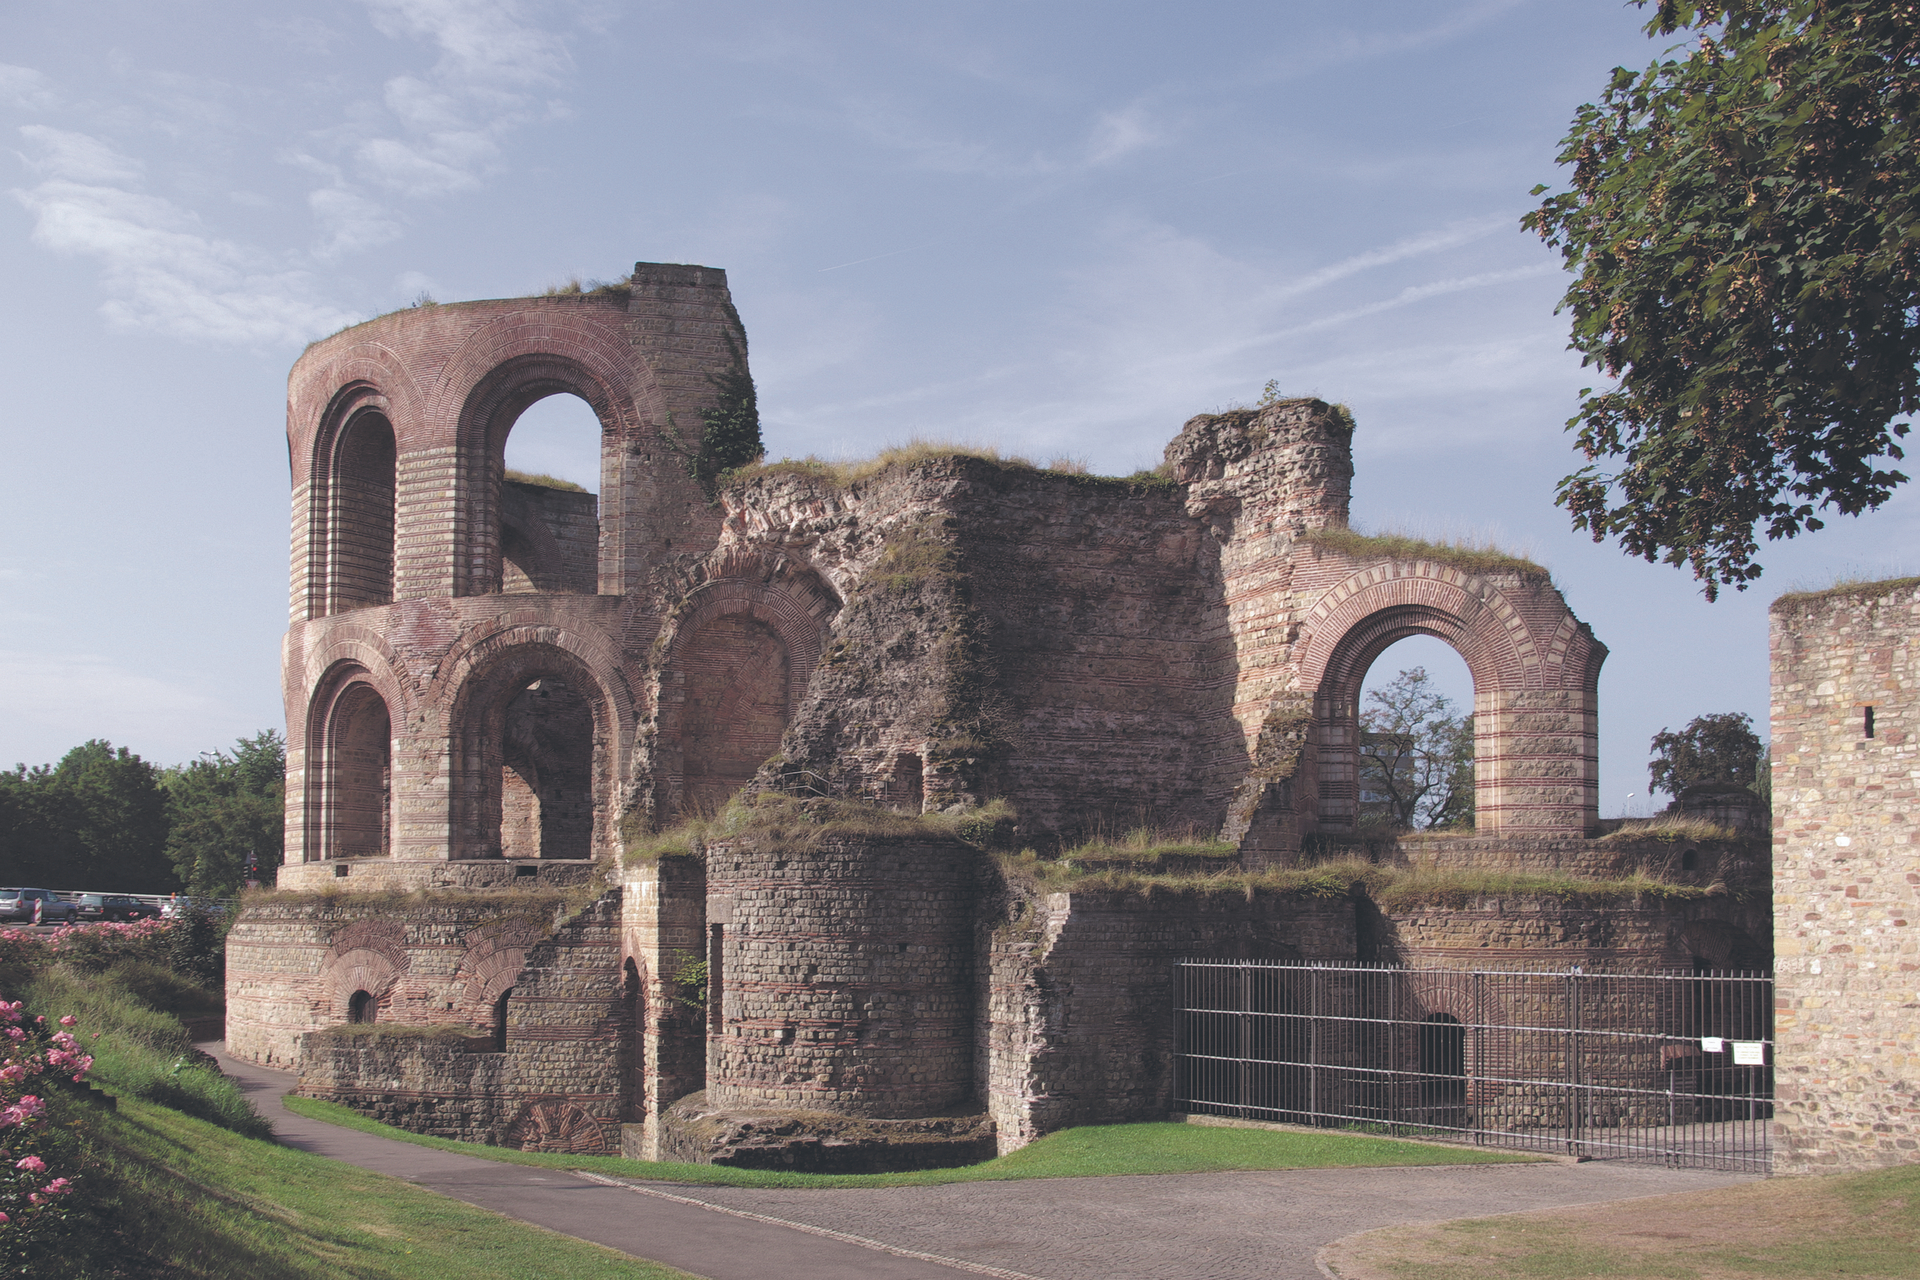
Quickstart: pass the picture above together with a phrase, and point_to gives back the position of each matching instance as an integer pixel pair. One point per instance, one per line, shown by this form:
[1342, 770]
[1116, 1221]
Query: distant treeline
[107, 821]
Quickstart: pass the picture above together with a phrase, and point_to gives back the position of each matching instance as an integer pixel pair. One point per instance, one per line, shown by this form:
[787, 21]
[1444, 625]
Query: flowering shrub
[94, 946]
[33, 1205]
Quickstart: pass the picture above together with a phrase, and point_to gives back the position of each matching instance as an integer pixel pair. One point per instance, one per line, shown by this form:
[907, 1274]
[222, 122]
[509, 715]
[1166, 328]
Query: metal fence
[1674, 1068]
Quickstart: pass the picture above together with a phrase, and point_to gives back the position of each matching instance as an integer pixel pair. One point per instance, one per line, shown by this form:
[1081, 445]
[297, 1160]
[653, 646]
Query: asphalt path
[1211, 1226]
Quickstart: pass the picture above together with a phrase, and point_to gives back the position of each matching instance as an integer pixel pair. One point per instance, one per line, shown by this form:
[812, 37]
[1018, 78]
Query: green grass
[209, 1203]
[1096, 1151]
[543, 480]
[1861, 588]
[143, 1052]
[918, 450]
[1862, 1224]
[1461, 554]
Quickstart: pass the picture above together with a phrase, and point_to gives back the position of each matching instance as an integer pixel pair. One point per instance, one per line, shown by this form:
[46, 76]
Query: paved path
[1211, 1226]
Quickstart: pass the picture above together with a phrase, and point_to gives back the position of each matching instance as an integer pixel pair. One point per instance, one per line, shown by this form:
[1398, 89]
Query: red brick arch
[506, 365]
[335, 735]
[1535, 675]
[770, 590]
[484, 678]
[369, 956]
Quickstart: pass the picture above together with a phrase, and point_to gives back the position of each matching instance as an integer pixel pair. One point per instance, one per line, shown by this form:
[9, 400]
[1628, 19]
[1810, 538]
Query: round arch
[1535, 680]
[552, 766]
[349, 766]
[509, 374]
[751, 634]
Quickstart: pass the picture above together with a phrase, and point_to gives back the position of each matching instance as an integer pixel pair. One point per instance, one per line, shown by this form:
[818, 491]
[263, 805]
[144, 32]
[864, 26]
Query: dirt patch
[1864, 1225]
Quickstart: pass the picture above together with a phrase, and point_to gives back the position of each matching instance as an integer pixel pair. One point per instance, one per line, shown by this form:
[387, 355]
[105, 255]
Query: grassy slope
[1092, 1152]
[207, 1202]
[1864, 1224]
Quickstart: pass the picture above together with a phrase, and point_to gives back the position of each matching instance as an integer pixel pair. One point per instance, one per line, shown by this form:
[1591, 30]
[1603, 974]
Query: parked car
[17, 904]
[113, 906]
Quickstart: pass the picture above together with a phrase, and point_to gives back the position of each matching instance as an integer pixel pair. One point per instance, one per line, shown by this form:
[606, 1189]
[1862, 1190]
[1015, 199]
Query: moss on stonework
[842, 474]
[1845, 588]
[542, 480]
[804, 823]
[1397, 546]
[1668, 830]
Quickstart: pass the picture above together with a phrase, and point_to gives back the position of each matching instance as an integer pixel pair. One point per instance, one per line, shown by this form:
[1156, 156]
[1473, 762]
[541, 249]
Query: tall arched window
[360, 515]
[546, 773]
[1413, 739]
[357, 796]
[549, 516]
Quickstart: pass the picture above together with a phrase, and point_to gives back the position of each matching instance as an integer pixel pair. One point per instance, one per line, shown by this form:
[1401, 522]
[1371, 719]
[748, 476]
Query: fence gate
[1673, 1068]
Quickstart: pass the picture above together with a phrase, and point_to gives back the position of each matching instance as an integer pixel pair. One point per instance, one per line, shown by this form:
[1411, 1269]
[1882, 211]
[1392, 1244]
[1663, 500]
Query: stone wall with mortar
[557, 1079]
[1643, 933]
[1846, 810]
[1077, 1022]
[843, 974]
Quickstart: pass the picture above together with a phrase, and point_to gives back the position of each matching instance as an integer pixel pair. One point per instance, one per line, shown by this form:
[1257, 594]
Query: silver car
[17, 904]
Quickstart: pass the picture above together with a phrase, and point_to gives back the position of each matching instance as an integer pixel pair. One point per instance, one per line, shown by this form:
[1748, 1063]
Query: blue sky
[1061, 228]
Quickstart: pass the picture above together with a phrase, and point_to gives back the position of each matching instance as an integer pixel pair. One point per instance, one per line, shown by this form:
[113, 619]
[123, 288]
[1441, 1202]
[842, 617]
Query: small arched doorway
[362, 1006]
[1443, 1061]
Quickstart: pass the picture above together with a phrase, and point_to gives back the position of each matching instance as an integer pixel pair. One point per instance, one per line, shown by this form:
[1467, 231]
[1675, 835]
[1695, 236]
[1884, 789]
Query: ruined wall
[844, 974]
[1639, 934]
[1077, 1020]
[1846, 876]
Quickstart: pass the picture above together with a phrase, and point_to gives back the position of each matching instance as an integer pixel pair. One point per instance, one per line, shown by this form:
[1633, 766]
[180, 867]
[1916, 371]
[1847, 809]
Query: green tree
[1411, 756]
[225, 808]
[1742, 228]
[96, 820]
[1711, 749]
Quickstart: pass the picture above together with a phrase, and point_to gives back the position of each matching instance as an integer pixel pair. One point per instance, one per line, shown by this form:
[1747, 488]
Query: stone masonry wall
[1846, 753]
[1077, 1019]
[844, 975]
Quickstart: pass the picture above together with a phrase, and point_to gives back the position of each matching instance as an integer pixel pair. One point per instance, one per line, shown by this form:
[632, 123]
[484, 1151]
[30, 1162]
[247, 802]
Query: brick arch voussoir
[366, 374]
[367, 955]
[471, 670]
[1463, 609]
[769, 586]
[545, 346]
[356, 645]
[494, 958]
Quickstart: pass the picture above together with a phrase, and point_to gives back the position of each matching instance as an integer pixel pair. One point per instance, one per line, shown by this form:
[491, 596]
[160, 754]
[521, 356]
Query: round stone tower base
[818, 1142]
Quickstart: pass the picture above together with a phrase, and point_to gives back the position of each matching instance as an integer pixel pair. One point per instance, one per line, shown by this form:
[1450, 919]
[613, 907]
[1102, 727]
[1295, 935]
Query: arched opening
[545, 775]
[549, 535]
[533, 756]
[500, 1021]
[360, 515]
[361, 1007]
[1413, 740]
[357, 802]
[1443, 1061]
[735, 672]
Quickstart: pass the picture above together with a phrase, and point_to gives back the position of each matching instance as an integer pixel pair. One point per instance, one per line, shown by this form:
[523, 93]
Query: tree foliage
[1712, 749]
[1416, 756]
[224, 809]
[98, 818]
[1742, 227]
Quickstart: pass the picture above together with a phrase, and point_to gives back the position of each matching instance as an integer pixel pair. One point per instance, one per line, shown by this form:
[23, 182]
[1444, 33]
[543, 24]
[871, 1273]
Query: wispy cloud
[25, 87]
[164, 271]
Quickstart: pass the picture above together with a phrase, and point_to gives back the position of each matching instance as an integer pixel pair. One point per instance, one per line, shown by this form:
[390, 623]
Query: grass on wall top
[844, 472]
[1470, 556]
[1859, 588]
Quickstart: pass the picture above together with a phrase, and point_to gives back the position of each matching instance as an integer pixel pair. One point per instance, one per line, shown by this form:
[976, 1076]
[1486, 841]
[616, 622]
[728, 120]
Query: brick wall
[1077, 1019]
[1846, 746]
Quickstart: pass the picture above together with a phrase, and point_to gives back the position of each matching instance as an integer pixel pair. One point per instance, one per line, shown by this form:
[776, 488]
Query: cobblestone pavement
[1207, 1226]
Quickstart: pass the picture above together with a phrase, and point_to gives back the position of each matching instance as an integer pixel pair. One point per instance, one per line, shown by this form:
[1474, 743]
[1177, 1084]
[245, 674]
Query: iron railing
[1674, 1068]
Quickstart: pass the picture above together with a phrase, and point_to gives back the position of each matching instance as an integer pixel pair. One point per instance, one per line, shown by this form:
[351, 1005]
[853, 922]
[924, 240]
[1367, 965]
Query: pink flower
[58, 1187]
[5, 1218]
[16, 1033]
[32, 1164]
[69, 1021]
[36, 1198]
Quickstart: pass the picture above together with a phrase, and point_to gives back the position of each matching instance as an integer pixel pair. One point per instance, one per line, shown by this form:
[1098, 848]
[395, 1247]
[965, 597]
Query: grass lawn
[1092, 1152]
[1856, 1224]
[203, 1201]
